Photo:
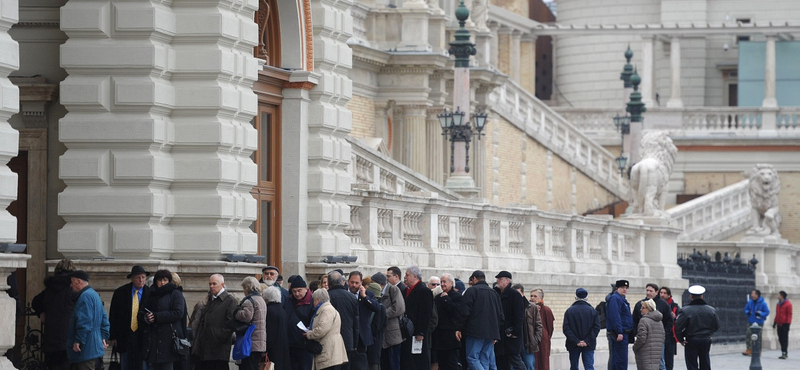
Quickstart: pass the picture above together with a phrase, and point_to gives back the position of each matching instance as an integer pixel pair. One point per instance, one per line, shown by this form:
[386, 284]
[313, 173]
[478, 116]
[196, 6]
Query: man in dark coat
[651, 292]
[510, 347]
[213, 341]
[619, 323]
[444, 337]
[419, 307]
[581, 326]
[368, 306]
[299, 309]
[270, 276]
[125, 334]
[480, 320]
[54, 307]
[347, 306]
[695, 325]
[395, 277]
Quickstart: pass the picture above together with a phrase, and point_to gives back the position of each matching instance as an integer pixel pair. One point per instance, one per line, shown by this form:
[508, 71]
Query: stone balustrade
[716, 122]
[522, 109]
[449, 235]
[715, 216]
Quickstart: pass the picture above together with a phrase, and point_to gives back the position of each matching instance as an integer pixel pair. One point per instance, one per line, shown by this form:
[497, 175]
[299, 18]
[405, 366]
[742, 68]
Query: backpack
[601, 313]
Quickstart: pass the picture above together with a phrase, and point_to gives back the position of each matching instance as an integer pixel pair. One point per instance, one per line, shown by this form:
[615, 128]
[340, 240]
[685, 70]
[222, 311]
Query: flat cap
[271, 268]
[503, 274]
[696, 290]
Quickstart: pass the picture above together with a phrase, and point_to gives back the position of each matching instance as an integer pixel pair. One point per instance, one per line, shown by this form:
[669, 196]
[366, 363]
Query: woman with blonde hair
[325, 328]
[254, 310]
[649, 337]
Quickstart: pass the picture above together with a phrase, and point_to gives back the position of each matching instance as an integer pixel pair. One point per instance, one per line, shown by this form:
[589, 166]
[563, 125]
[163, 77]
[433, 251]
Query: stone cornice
[35, 88]
[674, 29]
[511, 20]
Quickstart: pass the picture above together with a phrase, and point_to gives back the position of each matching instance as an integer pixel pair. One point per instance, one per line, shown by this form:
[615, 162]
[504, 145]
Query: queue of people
[388, 321]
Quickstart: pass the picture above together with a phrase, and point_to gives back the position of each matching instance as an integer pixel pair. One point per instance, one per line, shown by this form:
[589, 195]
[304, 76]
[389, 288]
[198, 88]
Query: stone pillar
[647, 72]
[158, 132]
[9, 142]
[494, 53]
[414, 118]
[514, 57]
[504, 55]
[328, 126]
[435, 147]
[528, 64]
[675, 73]
[414, 28]
[770, 74]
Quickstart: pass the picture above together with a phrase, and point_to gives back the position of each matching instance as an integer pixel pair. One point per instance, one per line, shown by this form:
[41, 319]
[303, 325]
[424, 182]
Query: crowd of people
[386, 321]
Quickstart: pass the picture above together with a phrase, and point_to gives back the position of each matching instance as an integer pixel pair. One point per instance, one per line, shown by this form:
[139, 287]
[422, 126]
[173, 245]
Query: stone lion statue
[649, 177]
[764, 188]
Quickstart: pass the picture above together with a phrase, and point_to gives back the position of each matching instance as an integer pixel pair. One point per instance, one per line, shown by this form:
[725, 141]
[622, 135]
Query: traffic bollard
[755, 337]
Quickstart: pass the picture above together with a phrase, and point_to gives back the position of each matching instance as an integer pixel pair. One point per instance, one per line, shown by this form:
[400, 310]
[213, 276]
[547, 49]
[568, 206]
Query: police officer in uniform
[695, 325]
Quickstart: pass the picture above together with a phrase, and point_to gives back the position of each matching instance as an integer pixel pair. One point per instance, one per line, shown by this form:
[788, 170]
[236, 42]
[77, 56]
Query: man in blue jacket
[619, 324]
[88, 327]
[756, 311]
[581, 326]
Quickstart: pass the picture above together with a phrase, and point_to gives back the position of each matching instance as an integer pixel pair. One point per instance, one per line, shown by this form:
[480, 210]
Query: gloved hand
[774, 325]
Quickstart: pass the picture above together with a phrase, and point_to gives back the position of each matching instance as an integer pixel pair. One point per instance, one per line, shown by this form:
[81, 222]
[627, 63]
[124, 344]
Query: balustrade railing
[550, 129]
[716, 215]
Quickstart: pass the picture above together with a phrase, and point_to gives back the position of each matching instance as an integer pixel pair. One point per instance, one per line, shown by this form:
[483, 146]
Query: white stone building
[173, 133]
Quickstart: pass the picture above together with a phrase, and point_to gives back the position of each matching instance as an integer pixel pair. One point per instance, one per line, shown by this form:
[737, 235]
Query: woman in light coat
[649, 337]
[254, 310]
[325, 328]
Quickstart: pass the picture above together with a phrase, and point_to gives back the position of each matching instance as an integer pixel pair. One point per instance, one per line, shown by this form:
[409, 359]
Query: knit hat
[460, 286]
[80, 274]
[379, 278]
[298, 282]
[375, 289]
[581, 293]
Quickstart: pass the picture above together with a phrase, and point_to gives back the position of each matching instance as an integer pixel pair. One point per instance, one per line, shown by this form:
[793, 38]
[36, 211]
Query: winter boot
[748, 352]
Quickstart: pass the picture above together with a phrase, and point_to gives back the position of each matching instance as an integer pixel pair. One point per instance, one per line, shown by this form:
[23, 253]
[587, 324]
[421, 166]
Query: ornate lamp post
[456, 124]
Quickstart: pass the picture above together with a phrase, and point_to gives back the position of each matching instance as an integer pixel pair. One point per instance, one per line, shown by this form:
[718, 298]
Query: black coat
[661, 306]
[581, 323]
[119, 315]
[366, 307]
[277, 338]
[402, 288]
[481, 314]
[378, 328]
[298, 312]
[419, 307]
[346, 304]
[444, 337]
[169, 308]
[56, 303]
[514, 319]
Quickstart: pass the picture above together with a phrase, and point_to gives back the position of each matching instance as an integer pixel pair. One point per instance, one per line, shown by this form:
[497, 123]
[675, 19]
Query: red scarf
[408, 290]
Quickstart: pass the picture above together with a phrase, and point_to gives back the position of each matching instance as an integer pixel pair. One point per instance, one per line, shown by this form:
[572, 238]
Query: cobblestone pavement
[735, 361]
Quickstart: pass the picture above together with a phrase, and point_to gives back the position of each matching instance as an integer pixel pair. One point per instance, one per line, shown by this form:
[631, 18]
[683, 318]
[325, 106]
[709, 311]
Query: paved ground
[735, 361]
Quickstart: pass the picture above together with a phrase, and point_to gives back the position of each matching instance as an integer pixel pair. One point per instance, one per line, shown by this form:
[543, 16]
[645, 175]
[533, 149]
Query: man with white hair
[433, 282]
[419, 306]
[213, 340]
[445, 343]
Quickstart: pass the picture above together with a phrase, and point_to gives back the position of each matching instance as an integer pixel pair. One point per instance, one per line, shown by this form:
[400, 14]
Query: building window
[269, 30]
[267, 191]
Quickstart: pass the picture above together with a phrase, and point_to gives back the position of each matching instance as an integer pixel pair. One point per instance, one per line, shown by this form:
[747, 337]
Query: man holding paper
[414, 353]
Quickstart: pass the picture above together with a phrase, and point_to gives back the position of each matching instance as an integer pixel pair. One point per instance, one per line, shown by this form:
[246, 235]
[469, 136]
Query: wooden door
[267, 192]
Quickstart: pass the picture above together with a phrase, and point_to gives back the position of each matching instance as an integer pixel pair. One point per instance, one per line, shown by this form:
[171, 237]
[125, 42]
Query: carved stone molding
[35, 94]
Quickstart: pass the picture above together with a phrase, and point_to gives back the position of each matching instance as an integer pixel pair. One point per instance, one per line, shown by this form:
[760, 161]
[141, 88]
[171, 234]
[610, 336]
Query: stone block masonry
[158, 133]
[9, 105]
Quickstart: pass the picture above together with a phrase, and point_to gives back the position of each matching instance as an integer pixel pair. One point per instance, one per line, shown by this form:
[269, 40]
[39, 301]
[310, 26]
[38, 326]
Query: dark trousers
[56, 360]
[698, 349]
[510, 362]
[300, 359]
[610, 351]
[356, 361]
[783, 337]
[669, 352]
[213, 365]
[619, 350]
[337, 367]
[390, 358]
[421, 361]
[86, 365]
[448, 359]
[251, 362]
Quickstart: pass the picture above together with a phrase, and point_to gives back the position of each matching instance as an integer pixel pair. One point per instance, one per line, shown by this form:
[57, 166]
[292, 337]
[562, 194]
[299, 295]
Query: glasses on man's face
[434, 284]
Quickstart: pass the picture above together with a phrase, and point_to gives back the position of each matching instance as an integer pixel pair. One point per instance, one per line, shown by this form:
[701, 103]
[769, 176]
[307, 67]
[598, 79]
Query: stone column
[675, 73]
[770, 74]
[514, 56]
[435, 147]
[328, 126]
[414, 28]
[9, 142]
[504, 55]
[528, 64]
[414, 118]
[647, 72]
[494, 53]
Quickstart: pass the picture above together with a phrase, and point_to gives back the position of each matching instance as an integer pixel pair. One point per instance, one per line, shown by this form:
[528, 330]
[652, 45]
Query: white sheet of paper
[416, 347]
[302, 326]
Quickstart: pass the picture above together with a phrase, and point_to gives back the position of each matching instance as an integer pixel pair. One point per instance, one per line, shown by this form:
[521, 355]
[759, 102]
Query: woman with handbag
[254, 311]
[325, 332]
[161, 316]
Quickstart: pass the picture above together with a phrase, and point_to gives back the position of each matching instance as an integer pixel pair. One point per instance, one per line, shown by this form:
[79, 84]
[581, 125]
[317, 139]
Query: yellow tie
[135, 313]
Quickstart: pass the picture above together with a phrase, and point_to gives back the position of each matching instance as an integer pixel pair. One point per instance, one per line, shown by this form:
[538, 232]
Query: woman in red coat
[543, 356]
[783, 319]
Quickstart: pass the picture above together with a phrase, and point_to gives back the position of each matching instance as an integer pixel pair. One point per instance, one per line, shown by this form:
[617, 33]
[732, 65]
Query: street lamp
[622, 162]
[457, 130]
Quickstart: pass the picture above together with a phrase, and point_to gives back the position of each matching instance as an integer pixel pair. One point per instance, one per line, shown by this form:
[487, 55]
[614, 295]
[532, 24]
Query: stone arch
[294, 17]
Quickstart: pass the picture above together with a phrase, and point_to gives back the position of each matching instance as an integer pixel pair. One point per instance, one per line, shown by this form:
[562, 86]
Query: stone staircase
[715, 216]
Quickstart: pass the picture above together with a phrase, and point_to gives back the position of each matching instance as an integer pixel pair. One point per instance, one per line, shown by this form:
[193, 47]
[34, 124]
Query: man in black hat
[270, 276]
[479, 321]
[300, 308]
[510, 347]
[126, 335]
[619, 324]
